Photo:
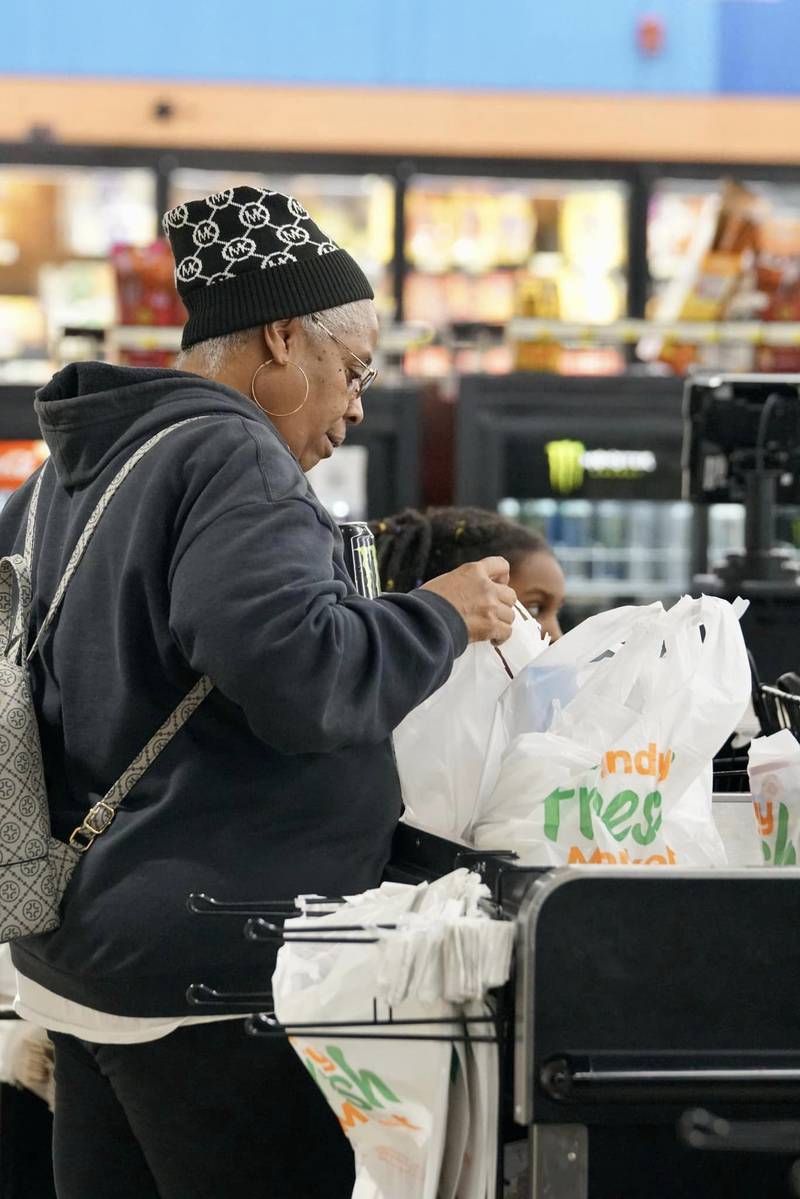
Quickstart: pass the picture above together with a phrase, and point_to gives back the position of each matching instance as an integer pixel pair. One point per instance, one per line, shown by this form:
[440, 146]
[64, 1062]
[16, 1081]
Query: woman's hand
[479, 591]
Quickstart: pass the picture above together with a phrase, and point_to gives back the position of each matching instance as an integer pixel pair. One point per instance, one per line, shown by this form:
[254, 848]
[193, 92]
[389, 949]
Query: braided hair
[414, 547]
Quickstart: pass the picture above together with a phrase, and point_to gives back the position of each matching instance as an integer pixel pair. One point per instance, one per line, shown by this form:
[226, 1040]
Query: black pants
[205, 1113]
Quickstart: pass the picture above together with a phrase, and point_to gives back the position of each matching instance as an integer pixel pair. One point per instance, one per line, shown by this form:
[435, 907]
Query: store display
[57, 228]
[624, 547]
[18, 461]
[481, 250]
[146, 299]
[594, 465]
[145, 285]
[723, 250]
[22, 326]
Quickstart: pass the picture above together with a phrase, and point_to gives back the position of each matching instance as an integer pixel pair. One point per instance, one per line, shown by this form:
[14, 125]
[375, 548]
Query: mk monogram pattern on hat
[241, 229]
[248, 255]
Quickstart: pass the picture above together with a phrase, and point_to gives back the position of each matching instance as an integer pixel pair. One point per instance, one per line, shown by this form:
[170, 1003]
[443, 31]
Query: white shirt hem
[39, 1006]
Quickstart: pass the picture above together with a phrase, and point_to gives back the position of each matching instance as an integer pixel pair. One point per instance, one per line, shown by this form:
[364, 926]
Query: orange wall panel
[396, 121]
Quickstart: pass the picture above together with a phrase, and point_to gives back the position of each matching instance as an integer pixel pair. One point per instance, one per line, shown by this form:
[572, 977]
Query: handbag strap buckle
[95, 822]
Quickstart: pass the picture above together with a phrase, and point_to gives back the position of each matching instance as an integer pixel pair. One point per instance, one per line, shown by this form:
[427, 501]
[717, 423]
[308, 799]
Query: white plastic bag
[441, 746]
[622, 775]
[457, 1139]
[479, 1168]
[393, 1097]
[390, 1096]
[774, 770]
[550, 682]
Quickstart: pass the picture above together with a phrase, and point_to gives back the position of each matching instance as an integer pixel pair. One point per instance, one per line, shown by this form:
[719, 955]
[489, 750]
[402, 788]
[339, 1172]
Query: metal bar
[564, 1084]
[291, 940]
[700, 1129]
[256, 1031]
[320, 928]
[637, 1077]
[204, 905]
[638, 264]
[784, 696]
[271, 1020]
[699, 540]
[164, 168]
[200, 904]
[398, 265]
[258, 929]
[201, 995]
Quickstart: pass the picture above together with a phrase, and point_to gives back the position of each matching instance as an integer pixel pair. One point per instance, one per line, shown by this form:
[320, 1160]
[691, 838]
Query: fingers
[497, 608]
[507, 596]
[497, 569]
[504, 600]
[502, 616]
[502, 632]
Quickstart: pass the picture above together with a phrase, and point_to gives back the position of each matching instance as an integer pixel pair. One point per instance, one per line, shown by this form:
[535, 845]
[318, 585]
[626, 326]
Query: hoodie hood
[89, 411]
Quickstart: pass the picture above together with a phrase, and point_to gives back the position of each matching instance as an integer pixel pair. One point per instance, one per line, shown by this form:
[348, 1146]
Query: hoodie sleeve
[255, 604]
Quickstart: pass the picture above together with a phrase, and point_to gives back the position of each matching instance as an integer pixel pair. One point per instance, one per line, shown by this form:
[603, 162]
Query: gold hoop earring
[269, 362]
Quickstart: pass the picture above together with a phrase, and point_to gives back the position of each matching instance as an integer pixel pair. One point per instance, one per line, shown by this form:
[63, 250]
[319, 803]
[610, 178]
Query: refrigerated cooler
[58, 225]
[595, 465]
[473, 244]
[726, 248]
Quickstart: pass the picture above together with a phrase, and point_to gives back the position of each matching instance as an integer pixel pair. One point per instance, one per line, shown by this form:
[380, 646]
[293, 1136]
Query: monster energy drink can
[360, 557]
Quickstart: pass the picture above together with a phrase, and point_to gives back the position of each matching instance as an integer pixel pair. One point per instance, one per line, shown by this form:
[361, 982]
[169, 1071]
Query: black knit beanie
[247, 256]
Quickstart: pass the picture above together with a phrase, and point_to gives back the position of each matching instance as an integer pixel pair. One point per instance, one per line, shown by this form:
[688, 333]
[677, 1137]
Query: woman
[414, 547]
[215, 559]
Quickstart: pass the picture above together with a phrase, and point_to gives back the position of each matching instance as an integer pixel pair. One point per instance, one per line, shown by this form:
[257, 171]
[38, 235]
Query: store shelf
[629, 332]
[146, 337]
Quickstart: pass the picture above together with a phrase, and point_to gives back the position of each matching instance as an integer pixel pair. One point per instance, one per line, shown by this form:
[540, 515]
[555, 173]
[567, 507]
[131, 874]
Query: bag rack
[625, 1051]
[609, 1040]
[776, 707]
[263, 1022]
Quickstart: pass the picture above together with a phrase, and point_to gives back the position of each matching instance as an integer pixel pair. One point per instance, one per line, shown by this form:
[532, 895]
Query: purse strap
[91, 524]
[101, 814]
[99, 817]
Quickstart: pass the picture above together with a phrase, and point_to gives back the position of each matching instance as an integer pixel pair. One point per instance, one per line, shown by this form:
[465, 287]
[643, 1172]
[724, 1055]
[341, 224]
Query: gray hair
[210, 356]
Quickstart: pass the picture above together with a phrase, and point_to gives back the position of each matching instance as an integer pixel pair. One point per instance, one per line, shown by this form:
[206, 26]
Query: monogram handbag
[35, 866]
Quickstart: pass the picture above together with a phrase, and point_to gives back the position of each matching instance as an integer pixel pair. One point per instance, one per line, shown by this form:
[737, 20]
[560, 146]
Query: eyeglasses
[370, 373]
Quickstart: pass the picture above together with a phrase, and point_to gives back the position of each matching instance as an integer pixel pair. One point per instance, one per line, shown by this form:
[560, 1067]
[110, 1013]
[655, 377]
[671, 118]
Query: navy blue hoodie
[214, 558]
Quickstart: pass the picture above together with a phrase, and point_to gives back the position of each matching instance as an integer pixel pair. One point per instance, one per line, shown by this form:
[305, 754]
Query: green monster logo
[565, 464]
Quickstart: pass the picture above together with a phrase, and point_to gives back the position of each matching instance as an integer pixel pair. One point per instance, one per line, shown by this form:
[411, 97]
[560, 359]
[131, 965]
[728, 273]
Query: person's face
[334, 383]
[540, 586]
